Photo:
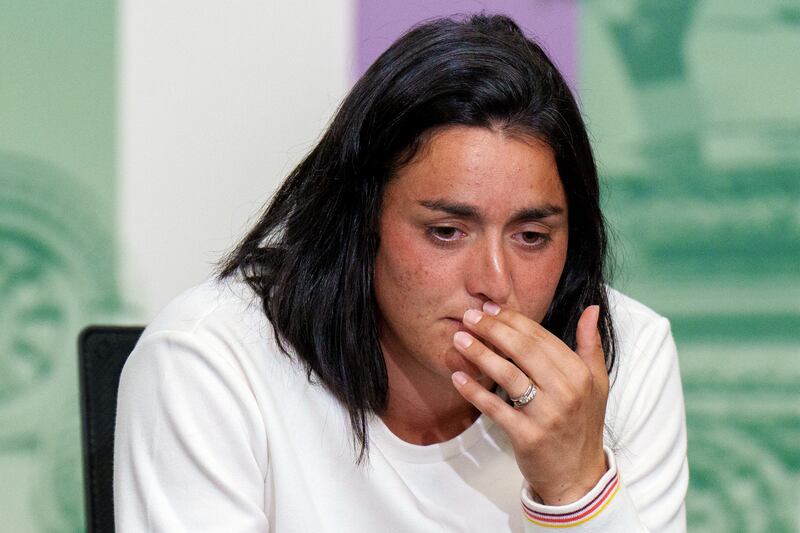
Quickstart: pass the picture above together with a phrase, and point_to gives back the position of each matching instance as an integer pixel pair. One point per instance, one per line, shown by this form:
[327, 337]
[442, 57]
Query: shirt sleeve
[190, 447]
[644, 489]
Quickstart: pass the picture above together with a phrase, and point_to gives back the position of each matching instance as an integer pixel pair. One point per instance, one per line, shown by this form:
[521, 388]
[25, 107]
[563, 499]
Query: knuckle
[573, 406]
[583, 379]
[537, 332]
[555, 419]
[530, 438]
[493, 327]
[513, 378]
[517, 348]
[522, 346]
[492, 409]
[485, 353]
[572, 402]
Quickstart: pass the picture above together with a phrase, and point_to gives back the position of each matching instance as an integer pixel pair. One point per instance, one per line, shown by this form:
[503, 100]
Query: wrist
[591, 505]
[566, 492]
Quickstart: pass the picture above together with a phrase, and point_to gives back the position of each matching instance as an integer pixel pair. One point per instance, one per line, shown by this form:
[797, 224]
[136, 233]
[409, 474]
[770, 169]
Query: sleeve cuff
[577, 513]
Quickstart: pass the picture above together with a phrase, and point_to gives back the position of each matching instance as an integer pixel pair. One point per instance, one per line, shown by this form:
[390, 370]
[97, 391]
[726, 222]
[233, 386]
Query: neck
[424, 408]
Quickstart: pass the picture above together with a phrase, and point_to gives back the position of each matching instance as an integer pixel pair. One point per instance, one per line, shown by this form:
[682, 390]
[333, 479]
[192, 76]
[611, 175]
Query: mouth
[457, 323]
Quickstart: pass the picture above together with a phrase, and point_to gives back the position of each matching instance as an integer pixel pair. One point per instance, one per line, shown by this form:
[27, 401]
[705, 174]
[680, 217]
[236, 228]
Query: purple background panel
[553, 23]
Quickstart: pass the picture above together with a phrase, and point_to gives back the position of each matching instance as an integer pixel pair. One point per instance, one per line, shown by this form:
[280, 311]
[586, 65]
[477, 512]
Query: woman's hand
[558, 436]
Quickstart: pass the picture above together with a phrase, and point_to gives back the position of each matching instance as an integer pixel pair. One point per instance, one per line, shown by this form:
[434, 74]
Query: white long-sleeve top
[219, 431]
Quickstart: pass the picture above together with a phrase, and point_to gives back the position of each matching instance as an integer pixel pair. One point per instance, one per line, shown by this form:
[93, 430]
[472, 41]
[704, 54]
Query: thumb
[589, 343]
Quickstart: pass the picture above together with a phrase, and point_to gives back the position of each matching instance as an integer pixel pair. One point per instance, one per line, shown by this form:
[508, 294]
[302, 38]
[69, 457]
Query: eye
[444, 233]
[533, 239]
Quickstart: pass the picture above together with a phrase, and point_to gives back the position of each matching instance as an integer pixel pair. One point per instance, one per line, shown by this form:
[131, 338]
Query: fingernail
[459, 377]
[491, 308]
[462, 339]
[473, 316]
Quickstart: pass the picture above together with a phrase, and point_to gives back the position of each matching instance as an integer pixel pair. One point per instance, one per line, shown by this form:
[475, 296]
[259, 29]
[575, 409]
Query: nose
[487, 273]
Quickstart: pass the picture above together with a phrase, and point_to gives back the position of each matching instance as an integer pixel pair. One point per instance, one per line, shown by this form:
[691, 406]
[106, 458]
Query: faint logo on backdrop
[56, 275]
[700, 142]
[745, 453]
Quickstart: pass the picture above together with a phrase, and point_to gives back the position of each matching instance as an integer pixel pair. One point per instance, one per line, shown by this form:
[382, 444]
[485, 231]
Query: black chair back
[102, 351]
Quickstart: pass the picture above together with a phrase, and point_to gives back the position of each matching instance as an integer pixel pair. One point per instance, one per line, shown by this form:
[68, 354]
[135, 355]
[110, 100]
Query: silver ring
[526, 398]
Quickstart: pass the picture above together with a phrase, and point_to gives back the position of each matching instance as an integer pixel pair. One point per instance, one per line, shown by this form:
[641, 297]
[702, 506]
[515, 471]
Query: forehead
[480, 166]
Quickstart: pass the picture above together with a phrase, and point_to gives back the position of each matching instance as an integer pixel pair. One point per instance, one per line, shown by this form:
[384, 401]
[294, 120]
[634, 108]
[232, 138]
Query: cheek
[539, 289]
[406, 283]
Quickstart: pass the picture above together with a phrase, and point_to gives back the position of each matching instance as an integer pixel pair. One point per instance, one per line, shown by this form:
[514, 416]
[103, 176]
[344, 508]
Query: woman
[417, 328]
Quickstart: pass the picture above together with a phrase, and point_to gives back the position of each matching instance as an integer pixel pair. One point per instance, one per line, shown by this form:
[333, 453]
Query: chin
[454, 361]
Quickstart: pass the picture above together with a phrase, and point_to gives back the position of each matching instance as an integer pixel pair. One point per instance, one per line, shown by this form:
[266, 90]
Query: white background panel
[218, 102]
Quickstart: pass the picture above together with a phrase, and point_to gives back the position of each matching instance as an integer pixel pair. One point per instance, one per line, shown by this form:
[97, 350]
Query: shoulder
[646, 369]
[630, 313]
[635, 325]
[645, 415]
[645, 347]
[197, 370]
[219, 324]
[212, 303]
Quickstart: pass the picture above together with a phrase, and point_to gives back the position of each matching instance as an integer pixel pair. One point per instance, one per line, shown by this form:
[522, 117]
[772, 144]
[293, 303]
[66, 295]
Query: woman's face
[477, 215]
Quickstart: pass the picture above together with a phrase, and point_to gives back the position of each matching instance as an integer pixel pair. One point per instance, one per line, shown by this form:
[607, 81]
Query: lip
[456, 322]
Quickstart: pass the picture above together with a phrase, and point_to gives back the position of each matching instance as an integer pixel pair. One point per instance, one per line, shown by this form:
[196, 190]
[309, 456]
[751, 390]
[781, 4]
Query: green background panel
[694, 111]
[57, 153]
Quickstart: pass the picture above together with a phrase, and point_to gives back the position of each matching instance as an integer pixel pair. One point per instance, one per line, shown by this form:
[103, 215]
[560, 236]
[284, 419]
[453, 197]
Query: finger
[526, 352]
[502, 372]
[517, 320]
[488, 403]
[549, 343]
[590, 344]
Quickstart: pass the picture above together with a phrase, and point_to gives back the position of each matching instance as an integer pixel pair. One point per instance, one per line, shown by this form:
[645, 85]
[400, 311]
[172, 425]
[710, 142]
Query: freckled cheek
[408, 254]
[538, 290]
[420, 275]
[415, 278]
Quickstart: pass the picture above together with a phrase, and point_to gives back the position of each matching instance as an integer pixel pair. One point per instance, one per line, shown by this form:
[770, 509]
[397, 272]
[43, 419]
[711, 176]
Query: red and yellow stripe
[579, 516]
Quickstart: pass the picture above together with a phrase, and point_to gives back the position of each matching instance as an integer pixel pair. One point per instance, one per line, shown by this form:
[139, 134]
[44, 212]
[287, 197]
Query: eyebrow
[470, 212]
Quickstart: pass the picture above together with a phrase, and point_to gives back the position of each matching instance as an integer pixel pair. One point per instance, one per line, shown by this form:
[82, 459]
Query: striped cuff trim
[579, 516]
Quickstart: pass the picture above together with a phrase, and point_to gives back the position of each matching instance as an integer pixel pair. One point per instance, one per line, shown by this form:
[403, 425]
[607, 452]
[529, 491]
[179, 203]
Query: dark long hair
[311, 255]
